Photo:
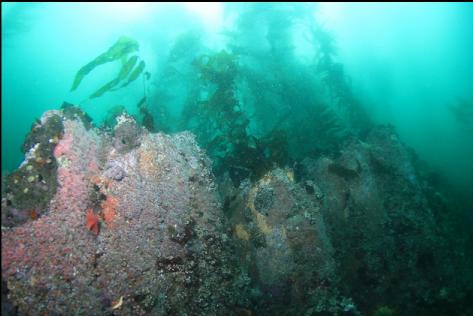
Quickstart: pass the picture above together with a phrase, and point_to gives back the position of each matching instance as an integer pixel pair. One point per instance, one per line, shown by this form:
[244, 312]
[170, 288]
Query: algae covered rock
[30, 187]
[350, 234]
[390, 252]
[281, 236]
[132, 223]
[157, 245]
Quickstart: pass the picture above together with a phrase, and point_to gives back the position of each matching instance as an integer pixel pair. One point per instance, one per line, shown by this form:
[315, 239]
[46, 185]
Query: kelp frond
[123, 47]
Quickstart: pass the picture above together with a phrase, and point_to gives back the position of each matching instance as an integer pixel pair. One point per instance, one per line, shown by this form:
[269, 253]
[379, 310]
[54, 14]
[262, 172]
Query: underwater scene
[242, 159]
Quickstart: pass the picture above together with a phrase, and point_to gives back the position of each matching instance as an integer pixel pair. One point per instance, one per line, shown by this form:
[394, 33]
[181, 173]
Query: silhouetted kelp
[462, 111]
[255, 104]
[128, 72]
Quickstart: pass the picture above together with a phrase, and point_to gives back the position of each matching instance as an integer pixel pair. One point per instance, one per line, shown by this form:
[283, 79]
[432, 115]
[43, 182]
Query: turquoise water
[407, 64]
[266, 86]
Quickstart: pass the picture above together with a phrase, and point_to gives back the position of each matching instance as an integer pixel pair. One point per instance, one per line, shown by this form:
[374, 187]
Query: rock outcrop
[128, 222]
[157, 243]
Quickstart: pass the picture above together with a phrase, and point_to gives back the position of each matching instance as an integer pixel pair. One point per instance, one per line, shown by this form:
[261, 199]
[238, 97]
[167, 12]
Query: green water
[406, 64]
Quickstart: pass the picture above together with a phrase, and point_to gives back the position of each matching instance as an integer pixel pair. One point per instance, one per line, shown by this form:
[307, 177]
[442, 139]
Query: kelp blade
[122, 47]
[138, 70]
[105, 88]
[127, 67]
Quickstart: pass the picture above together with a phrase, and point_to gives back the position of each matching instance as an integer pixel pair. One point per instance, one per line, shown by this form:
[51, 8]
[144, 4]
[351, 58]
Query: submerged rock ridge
[135, 219]
[128, 222]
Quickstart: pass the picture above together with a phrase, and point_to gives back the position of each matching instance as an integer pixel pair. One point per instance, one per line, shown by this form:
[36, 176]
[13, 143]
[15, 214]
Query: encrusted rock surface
[160, 247]
[132, 223]
[285, 246]
[355, 233]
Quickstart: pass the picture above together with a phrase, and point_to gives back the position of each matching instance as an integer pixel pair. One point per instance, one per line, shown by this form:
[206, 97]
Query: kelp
[217, 121]
[123, 47]
[147, 117]
[104, 89]
[120, 49]
[184, 43]
[138, 70]
[126, 69]
[462, 111]
[217, 68]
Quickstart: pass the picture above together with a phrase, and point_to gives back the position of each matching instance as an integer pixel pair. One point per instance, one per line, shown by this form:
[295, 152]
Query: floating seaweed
[138, 70]
[118, 51]
[107, 87]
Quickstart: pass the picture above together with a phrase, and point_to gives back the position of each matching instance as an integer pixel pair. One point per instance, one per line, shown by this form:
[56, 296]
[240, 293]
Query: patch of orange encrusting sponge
[109, 206]
[92, 222]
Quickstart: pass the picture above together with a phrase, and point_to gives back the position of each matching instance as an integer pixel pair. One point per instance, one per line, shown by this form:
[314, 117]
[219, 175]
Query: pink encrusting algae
[76, 152]
[84, 266]
[63, 145]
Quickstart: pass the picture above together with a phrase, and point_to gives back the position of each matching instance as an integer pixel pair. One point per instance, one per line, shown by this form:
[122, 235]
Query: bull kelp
[237, 159]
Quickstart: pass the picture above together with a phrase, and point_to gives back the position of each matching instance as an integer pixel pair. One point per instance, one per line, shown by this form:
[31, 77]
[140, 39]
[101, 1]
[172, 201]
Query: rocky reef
[128, 222]
[134, 227]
